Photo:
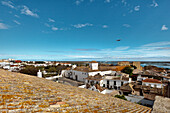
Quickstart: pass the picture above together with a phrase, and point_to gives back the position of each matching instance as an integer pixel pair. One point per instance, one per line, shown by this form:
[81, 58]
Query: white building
[93, 65]
[82, 72]
[114, 82]
[153, 83]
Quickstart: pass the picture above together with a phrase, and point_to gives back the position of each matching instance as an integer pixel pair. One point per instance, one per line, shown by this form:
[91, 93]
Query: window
[121, 83]
[155, 85]
[115, 83]
[107, 81]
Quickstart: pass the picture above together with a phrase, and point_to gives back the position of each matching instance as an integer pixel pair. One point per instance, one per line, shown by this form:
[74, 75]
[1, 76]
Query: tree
[133, 66]
[31, 70]
[51, 69]
[121, 97]
[128, 70]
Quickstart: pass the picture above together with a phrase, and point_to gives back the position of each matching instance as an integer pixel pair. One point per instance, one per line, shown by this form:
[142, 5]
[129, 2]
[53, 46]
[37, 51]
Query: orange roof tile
[93, 62]
[152, 81]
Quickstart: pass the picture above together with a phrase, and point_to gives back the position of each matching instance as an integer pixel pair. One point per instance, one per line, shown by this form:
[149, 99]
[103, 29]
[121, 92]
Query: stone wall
[161, 105]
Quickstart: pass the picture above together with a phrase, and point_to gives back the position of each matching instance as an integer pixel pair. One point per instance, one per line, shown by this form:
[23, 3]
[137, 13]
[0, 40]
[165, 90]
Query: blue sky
[85, 30]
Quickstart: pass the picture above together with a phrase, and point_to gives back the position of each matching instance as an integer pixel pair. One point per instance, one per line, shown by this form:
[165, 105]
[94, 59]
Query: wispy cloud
[25, 10]
[92, 0]
[82, 25]
[154, 4]
[8, 3]
[16, 22]
[51, 20]
[90, 49]
[16, 16]
[163, 48]
[54, 28]
[164, 28]
[105, 26]
[107, 1]
[3, 26]
[157, 44]
[137, 8]
[78, 2]
[124, 2]
[47, 25]
[126, 25]
[122, 48]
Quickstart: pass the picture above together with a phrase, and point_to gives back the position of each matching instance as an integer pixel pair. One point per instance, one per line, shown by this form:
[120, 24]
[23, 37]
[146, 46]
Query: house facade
[114, 82]
[82, 72]
[152, 83]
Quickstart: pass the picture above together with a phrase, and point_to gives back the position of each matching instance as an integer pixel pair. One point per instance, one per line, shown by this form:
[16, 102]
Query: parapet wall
[161, 105]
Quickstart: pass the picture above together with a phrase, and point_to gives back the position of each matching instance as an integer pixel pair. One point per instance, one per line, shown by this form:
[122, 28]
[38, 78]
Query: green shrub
[121, 97]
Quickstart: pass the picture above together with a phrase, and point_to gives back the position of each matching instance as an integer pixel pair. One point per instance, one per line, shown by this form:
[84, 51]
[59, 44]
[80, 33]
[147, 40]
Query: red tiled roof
[152, 81]
[18, 61]
[93, 62]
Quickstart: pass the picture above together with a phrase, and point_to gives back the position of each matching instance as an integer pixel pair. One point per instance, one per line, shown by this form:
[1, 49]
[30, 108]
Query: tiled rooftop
[22, 93]
[101, 68]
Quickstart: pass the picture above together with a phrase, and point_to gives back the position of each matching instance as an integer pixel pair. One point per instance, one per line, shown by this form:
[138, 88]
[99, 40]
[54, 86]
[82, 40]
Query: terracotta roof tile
[152, 81]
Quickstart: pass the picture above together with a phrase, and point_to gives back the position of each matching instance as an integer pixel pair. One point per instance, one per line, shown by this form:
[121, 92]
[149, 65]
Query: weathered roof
[96, 77]
[24, 93]
[116, 78]
[152, 81]
[101, 68]
[93, 62]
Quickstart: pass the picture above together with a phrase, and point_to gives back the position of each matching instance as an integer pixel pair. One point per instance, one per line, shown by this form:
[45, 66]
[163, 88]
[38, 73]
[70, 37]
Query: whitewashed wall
[152, 84]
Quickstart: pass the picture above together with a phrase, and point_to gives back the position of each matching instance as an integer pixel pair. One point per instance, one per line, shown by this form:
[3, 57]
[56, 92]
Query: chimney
[130, 80]
[39, 74]
[74, 66]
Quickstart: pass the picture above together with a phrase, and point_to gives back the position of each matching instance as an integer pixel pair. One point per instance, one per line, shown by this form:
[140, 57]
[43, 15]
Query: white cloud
[16, 22]
[105, 26]
[8, 3]
[3, 26]
[126, 25]
[78, 2]
[124, 2]
[91, 0]
[82, 25]
[16, 16]
[164, 28]
[154, 4]
[47, 25]
[122, 48]
[137, 8]
[130, 11]
[107, 1]
[157, 44]
[27, 11]
[51, 20]
[54, 28]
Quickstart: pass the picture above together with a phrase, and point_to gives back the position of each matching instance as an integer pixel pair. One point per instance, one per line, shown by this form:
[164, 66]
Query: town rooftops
[24, 93]
[96, 77]
[149, 80]
[101, 68]
[116, 78]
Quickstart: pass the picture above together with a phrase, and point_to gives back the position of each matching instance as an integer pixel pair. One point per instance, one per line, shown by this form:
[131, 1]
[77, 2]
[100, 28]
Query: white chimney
[74, 66]
[130, 80]
[93, 65]
[39, 74]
